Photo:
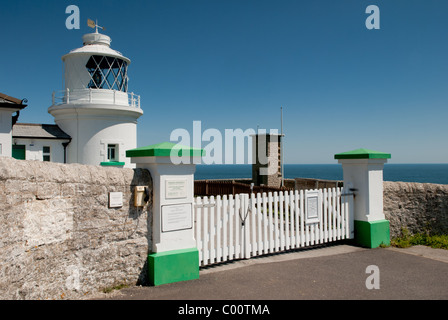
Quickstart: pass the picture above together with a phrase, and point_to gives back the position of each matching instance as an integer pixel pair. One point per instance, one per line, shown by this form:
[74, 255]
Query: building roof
[11, 102]
[97, 43]
[38, 131]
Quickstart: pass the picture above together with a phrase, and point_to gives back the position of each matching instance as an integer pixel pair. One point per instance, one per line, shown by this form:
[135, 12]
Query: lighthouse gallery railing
[89, 95]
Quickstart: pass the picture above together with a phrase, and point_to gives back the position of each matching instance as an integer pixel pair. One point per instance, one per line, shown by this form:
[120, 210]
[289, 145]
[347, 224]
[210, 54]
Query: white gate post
[174, 255]
[363, 173]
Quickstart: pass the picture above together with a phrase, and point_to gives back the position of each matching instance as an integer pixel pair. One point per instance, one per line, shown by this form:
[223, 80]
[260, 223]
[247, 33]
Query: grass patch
[116, 287]
[407, 240]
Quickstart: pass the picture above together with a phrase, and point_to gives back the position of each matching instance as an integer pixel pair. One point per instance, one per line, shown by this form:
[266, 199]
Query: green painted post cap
[362, 154]
[164, 149]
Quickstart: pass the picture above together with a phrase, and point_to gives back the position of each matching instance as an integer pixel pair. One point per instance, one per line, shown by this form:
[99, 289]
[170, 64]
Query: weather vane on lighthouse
[93, 24]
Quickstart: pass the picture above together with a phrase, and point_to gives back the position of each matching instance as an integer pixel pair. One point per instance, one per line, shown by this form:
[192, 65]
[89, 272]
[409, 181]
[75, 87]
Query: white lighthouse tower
[95, 108]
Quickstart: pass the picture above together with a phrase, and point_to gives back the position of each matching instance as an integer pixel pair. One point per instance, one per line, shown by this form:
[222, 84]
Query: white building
[8, 105]
[43, 142]
[95, 109]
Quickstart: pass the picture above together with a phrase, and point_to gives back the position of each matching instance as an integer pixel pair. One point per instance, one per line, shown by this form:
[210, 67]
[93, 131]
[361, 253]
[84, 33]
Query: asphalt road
[331, 273]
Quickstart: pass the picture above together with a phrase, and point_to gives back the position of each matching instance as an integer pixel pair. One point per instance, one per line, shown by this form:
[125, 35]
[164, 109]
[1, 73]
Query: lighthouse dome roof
[97, 43]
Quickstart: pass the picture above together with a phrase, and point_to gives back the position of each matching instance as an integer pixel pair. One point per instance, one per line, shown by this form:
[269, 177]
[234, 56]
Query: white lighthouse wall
[91, 135]
[76, 74]
[94, 145]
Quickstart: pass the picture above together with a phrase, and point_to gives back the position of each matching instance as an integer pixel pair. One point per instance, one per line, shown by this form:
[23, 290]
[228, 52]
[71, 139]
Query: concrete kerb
[425, 252]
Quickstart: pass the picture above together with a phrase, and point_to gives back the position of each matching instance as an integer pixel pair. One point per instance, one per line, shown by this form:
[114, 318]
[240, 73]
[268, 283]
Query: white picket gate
[244, 226]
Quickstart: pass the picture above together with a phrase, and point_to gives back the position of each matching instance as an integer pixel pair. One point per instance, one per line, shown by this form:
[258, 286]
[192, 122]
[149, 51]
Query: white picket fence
[244, 226]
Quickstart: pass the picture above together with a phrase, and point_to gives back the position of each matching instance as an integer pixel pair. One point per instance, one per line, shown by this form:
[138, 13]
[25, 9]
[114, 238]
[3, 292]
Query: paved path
[334, 272]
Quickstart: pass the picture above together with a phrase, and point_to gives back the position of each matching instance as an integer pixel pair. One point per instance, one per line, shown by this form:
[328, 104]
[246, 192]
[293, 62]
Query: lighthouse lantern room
[95, 107]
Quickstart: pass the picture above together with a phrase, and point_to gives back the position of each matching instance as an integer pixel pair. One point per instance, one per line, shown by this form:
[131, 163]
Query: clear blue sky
[233, 63]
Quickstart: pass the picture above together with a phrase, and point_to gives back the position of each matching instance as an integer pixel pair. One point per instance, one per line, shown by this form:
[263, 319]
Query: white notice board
[175, 188]
[115, 199]
[176, 217]
[312, 206]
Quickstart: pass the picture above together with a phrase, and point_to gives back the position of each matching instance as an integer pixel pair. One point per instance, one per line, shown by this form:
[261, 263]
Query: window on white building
[46, 152]
[112, 152]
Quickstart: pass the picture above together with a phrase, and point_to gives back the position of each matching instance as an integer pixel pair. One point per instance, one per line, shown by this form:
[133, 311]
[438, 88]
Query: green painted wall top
[164, 149]
[362, 154]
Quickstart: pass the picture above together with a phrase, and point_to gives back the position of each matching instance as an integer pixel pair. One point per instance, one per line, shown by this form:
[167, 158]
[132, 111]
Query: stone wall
[418, 207]
[59, 238]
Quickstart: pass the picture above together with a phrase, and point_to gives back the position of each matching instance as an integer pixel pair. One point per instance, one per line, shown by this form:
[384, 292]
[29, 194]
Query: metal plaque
[312, 209]
[115, 199]
[175, 189]
[176, 217]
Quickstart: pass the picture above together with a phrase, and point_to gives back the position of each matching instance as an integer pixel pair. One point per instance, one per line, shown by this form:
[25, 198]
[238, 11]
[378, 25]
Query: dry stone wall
[417, 207]
[59, 238]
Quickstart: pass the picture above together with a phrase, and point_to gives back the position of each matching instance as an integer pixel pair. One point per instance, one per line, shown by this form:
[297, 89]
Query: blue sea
[426, 173]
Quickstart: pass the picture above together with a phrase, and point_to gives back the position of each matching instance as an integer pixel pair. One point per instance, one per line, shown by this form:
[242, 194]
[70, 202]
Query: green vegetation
[116, 287]
[425, 239]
